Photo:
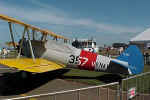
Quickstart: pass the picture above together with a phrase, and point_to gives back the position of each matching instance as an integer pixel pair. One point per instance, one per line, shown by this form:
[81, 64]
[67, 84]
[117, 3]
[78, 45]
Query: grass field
[94, 78]
[84, 76]
[141, 83]
[90, 77]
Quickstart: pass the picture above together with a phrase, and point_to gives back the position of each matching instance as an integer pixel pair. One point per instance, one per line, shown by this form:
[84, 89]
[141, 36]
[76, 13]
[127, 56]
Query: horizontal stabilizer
[27, 64]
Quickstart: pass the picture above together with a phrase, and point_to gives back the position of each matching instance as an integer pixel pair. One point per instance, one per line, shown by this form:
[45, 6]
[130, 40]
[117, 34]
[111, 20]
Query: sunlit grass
[91, 77]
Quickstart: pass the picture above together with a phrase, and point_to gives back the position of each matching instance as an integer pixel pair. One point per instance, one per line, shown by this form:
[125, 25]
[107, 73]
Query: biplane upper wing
[27, 64]
[43, 31]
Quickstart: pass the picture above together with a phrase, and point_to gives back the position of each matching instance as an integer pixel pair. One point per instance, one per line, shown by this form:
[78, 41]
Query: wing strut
[11, 34]
[31, 49]
[20, 45]
[33, 34]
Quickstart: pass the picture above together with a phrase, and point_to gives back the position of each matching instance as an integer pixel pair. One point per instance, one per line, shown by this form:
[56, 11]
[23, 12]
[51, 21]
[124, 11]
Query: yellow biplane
[29, 49]
[43, 55]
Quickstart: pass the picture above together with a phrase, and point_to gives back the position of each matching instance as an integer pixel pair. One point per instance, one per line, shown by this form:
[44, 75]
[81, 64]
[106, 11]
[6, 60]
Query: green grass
[83, 73]
[84, 76]
[91, 77]
[146, 68]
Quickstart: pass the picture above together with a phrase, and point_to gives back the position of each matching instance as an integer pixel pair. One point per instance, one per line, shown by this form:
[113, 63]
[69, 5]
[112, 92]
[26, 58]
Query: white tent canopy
[144, 36]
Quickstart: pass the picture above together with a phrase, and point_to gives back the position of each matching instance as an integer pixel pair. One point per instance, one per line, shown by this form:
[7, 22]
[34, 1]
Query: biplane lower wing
[27, 64]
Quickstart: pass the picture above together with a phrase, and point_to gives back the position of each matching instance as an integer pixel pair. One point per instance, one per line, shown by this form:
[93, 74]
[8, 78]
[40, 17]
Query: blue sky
[106, 20]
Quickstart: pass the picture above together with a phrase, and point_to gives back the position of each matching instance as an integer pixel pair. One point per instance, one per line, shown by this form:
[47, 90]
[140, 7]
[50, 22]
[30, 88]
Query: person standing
[4, 52]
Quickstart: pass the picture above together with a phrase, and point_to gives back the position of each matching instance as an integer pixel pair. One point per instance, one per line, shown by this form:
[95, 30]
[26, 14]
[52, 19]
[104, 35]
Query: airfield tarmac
[12, 84]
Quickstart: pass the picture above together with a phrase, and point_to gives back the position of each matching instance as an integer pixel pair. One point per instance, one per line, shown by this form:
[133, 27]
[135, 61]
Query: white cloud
[52, 15]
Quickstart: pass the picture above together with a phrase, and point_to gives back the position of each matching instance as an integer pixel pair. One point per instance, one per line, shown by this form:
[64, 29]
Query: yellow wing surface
[43, 31]
[27, 64]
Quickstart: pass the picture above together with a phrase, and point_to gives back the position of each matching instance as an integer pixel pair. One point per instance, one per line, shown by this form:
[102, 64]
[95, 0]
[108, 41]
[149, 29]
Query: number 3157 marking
[77, 60]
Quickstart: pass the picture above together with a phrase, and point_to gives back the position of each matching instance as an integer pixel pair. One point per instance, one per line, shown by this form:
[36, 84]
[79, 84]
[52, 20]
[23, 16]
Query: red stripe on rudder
[90, 64]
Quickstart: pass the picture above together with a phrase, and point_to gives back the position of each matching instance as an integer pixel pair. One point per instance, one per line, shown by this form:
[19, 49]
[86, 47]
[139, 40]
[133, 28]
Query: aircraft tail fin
[135, 60]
